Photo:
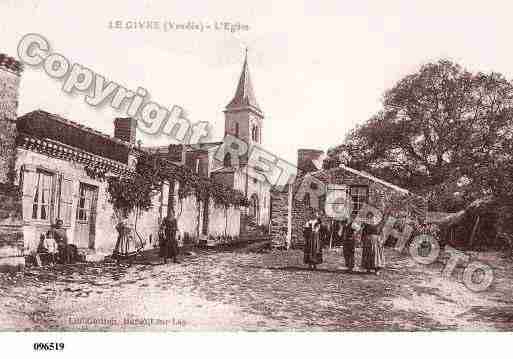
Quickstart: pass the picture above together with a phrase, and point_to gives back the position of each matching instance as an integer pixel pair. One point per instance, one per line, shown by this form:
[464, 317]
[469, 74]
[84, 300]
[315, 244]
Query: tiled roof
[69, 153]
[45, 125]
[323, 176]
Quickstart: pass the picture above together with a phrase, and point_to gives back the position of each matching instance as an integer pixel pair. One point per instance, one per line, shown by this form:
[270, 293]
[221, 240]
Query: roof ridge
[366, 175]
[374, 178]
[66, 121]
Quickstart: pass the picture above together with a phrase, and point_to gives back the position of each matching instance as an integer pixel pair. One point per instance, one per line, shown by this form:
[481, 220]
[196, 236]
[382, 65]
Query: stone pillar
[11, 235]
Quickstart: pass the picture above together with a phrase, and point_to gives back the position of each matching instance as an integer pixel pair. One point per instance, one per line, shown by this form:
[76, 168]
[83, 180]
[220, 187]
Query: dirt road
[250, 291]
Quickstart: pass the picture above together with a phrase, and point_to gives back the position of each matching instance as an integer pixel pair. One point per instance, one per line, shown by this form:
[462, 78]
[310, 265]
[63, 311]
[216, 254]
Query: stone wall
[279, 217]
[390, 201]
[9, 82]
[11, 237]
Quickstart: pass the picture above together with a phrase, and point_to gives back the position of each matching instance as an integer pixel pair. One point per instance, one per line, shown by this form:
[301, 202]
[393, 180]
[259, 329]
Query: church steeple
[244, 95]
[243, 116]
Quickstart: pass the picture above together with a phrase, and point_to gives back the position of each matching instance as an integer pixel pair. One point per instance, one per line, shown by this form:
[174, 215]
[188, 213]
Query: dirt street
[253, 291]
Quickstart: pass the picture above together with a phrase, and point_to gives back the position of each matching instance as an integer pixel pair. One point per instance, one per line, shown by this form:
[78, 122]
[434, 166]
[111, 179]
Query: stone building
[62, 166]
[359, 187]
[53, 168]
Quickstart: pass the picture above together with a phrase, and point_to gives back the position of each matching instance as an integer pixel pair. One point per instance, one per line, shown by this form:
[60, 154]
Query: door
[85, 224]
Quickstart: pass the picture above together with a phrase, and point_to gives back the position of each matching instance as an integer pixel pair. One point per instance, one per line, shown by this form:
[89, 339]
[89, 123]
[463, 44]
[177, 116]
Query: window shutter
[29, 183]
[66, 200]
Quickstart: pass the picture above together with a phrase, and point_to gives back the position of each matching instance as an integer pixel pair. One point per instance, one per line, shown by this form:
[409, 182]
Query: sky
[318, 68]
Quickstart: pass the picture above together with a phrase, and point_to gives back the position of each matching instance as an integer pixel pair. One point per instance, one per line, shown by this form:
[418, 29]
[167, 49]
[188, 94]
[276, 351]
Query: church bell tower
[243, 116]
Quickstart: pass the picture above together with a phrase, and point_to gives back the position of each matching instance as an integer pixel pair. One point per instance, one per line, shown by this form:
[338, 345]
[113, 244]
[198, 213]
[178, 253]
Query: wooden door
[85, 223]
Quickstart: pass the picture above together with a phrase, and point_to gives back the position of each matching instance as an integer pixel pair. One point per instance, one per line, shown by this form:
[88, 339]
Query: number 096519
[48, 346]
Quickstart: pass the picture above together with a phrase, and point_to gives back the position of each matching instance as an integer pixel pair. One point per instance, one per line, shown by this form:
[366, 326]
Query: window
[359, 196]
[46, 196]
[84, 202]
[236, 130]
[254, 133]
[227, 162]
[42, 196]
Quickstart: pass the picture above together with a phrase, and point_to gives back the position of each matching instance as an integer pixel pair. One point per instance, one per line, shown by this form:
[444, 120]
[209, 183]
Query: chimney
[125, 129]
[309, 160]
[176, 153]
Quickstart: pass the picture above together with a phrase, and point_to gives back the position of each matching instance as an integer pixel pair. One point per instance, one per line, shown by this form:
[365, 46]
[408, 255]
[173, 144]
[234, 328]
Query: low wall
[220, 222]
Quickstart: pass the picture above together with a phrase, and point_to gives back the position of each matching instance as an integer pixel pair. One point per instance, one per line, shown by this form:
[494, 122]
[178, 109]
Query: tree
[442, 131]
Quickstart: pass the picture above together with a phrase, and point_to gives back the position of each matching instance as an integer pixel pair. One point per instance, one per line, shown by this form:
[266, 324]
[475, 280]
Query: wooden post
[474, 230]
[331, 233]
[288, 240]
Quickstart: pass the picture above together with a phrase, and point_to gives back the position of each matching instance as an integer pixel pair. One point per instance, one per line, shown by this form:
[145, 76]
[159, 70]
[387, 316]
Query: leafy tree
[443, 132]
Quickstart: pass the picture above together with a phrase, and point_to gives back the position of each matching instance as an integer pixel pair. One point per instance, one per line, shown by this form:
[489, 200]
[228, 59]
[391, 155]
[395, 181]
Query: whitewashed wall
[106, 233]
[188, 211]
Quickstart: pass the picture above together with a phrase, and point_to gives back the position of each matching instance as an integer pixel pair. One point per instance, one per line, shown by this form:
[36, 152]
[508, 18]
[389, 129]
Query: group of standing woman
[315, 234]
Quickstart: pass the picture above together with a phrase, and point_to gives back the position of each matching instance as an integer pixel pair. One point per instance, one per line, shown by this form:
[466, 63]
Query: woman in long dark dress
[167, 239]
[313, 246]
[373, 258]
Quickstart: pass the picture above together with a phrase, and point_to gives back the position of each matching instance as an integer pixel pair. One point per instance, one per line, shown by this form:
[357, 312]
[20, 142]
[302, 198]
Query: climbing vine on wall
[136, 190]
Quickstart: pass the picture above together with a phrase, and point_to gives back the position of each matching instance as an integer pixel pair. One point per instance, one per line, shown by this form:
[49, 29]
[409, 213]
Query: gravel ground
[253, 292]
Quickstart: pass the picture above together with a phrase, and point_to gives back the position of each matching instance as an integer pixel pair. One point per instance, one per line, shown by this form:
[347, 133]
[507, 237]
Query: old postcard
[177, 166]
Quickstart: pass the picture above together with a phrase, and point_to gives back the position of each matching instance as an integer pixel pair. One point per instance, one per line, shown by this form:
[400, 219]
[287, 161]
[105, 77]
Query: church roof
[244, 95]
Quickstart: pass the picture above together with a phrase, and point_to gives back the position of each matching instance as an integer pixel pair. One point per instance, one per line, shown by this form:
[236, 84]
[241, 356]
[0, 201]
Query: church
[243, 120]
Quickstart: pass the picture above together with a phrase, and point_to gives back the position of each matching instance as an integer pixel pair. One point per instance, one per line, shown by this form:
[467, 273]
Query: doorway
[85, 222]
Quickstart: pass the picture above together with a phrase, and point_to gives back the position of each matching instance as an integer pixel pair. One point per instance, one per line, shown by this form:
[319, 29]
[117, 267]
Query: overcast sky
[318, 68]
